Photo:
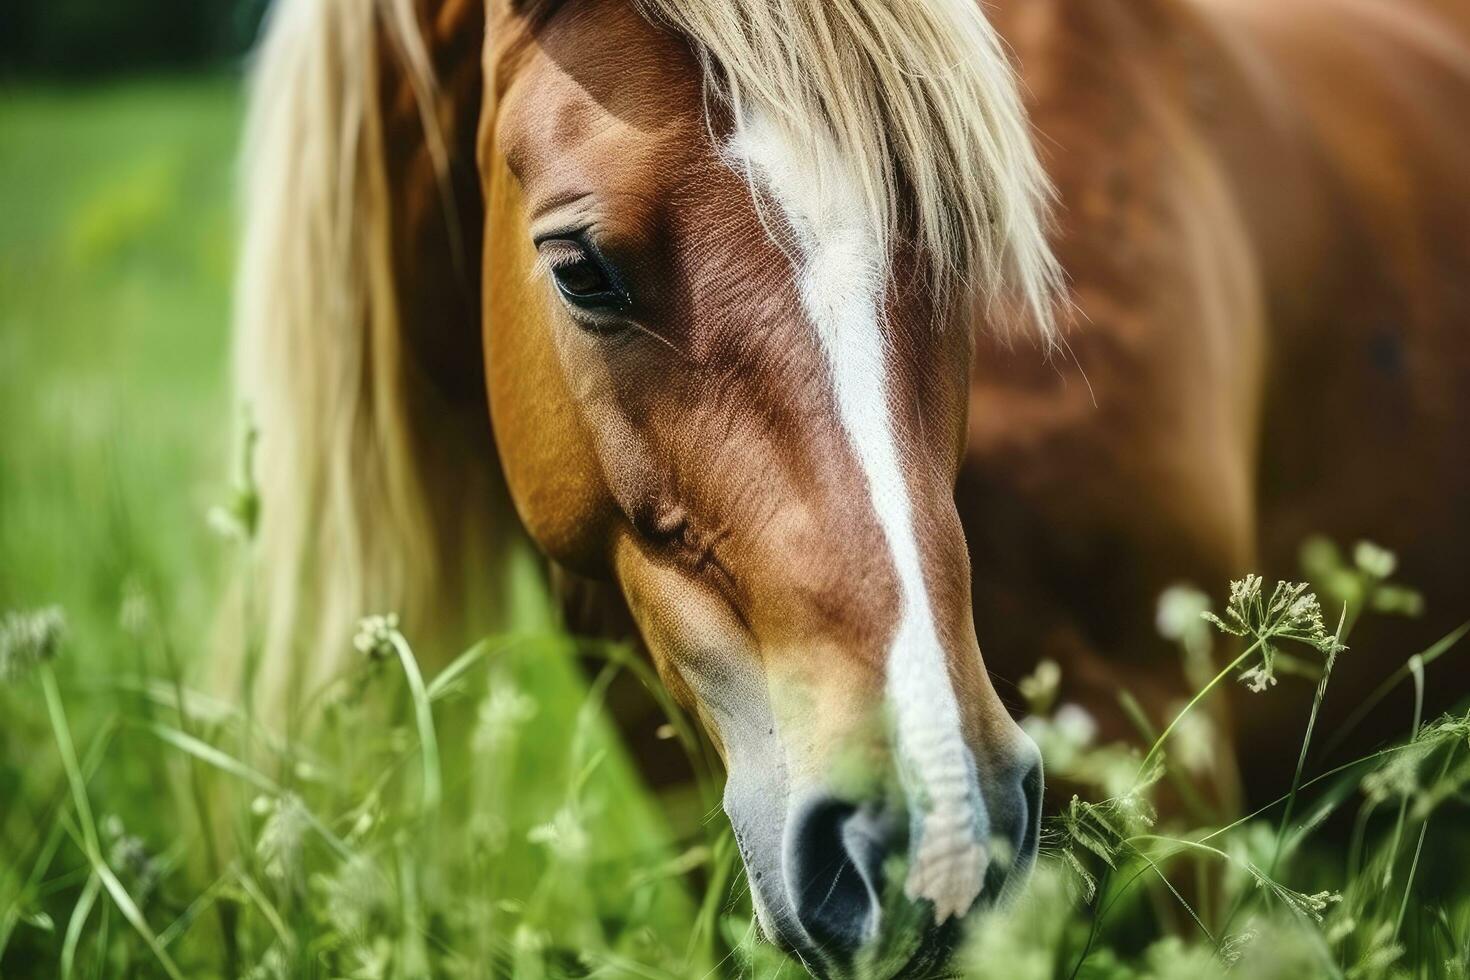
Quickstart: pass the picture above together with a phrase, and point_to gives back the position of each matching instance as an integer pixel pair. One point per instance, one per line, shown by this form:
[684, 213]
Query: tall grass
[482, 819]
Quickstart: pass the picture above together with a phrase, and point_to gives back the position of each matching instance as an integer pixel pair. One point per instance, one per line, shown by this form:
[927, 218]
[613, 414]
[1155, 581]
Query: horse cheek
[545, 449]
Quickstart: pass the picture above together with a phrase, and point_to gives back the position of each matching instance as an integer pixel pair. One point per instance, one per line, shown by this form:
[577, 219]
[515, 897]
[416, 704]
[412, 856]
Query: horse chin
[920, 951]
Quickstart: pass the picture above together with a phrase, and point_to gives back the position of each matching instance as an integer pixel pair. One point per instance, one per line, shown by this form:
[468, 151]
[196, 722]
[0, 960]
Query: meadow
[474, 813]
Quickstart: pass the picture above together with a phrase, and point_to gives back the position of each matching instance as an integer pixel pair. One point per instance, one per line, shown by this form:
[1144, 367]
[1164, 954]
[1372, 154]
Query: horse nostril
[1018, 811]
[834, 870]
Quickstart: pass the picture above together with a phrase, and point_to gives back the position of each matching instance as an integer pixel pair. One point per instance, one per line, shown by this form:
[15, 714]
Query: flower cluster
[375, 636]
[29, 638]
[1291, 613]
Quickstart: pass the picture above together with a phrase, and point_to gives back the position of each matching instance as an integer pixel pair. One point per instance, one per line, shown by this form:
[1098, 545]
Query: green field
[487, 823]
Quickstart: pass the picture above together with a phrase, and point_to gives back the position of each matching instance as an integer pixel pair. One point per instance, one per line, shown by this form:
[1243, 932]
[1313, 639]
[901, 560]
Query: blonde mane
[360, 513]
[918, 99]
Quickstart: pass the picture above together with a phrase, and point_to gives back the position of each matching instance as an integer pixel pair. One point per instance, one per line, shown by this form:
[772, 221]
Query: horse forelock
[917, 102]
[914, 104]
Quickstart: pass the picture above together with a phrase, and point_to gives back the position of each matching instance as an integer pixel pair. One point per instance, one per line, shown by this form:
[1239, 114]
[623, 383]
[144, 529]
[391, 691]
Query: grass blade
[423, 716]
[90, 847]
[1428, 656]
[205, 752]
[224, 761]
[79, 914]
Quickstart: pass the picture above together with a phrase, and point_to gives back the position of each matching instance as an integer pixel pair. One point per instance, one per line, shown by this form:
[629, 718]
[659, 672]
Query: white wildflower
[1039, 688]
[375, 636]
[1291, 613]
[1177, 616]
[1246, 590]
[1373, 560]
[1259, 677]
[1074, 723]
[29, 638]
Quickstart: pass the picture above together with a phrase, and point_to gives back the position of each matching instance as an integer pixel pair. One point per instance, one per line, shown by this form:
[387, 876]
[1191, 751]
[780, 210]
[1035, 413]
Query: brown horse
[747, 283]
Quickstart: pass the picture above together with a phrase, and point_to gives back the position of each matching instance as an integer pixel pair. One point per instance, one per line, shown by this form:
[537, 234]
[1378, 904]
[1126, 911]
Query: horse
[827, 344]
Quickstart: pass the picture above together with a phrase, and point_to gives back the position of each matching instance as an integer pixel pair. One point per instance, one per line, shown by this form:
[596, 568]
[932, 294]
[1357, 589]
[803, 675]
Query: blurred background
[118, 127]
[96, 39]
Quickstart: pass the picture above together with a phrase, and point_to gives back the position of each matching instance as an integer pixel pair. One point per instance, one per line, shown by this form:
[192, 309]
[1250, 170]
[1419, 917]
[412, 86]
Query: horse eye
[582, 276]
[581, 279]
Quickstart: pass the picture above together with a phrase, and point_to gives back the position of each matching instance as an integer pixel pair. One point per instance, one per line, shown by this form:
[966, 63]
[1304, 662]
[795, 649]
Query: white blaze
[840, 279]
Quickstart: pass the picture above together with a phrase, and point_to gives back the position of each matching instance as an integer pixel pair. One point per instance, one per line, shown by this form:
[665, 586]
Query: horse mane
[920, 102]
[375, 495]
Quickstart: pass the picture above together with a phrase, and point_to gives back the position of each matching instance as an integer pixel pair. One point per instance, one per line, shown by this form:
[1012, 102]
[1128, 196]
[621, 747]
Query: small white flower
[1177, 617]
[1373, 560]
[1259, 677]
[27, 639]
[1246, 590]
[1039, 688]
[1075, 724]
[375, 636]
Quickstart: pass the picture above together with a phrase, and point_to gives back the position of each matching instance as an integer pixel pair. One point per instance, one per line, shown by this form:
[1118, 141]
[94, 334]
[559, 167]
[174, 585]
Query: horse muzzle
[838, 894]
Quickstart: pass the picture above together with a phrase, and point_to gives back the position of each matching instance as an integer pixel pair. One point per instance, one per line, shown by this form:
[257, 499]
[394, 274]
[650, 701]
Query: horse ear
[357, 340]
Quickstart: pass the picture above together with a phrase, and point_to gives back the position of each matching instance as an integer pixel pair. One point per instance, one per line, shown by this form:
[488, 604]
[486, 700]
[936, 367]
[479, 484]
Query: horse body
[1264, 219]
[804, 486]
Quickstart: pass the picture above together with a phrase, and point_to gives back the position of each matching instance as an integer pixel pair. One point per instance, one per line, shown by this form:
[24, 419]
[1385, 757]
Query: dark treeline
[92, 38]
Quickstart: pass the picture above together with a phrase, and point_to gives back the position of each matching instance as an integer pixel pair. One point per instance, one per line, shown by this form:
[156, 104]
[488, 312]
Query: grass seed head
[282, 836]
[28, 639]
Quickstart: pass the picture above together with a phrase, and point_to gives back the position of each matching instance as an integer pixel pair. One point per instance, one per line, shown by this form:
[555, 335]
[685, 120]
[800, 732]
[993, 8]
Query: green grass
[481, 819]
